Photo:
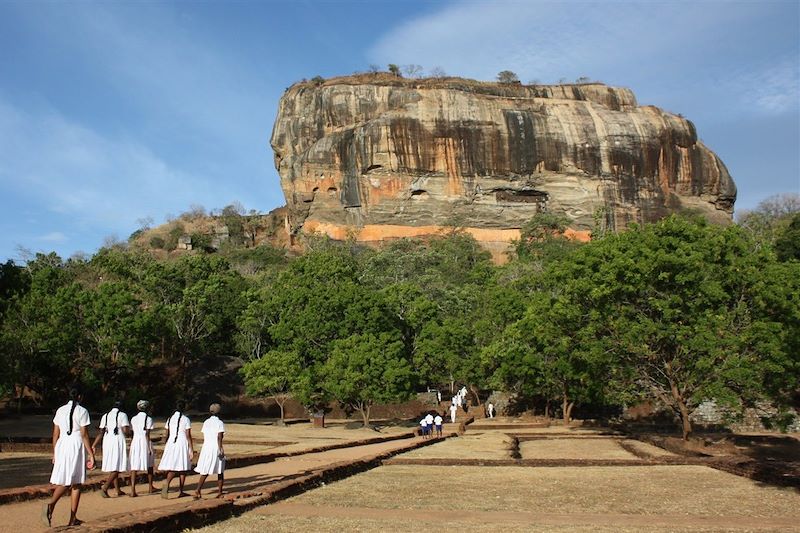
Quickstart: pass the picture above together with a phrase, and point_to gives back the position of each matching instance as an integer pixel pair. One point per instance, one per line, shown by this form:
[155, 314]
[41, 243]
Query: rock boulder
[379, 157]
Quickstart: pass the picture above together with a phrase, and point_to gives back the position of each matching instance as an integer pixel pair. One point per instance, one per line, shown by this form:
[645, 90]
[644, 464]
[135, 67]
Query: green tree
[553, 352]
[273, 374]
[542, 239]
[787, 243]
[772, 215]
[365, 369]
[682, 304]
[316, 301]
[395, 69]
[117, 335]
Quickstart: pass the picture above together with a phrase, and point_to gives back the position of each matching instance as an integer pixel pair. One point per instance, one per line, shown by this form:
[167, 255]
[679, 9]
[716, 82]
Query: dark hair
[116, 421]
[177, 425]
[180, 405]
[74, 395]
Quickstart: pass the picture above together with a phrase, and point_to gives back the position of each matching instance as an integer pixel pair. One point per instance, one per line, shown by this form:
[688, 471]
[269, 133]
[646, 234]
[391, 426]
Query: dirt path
[24, 516]
[538, 519]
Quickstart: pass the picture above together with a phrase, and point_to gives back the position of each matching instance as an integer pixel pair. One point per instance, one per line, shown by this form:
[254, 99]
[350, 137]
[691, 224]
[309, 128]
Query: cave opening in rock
[530, 196]
[372, 167]
[419, 194]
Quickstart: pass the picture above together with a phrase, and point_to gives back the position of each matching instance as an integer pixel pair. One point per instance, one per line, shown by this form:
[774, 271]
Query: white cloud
[53, 236]
[547, 40]
[70, 169]
[676, 51]
[775, 89]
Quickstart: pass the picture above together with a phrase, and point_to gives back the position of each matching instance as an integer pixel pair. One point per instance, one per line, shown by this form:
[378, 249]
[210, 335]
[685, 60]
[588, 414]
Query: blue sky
[113, 112]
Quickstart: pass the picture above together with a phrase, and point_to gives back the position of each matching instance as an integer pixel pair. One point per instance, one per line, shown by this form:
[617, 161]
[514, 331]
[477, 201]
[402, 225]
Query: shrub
[507, 76]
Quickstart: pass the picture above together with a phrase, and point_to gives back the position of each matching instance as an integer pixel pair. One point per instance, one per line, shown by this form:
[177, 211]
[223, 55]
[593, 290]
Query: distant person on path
[142, 456]
[423, 424]
[429, 420]
[179, 450]
[453, 409]
[490, 410]
[212, 455]
[437, 420]
[439, 396]
[113, 427]
[70, 449]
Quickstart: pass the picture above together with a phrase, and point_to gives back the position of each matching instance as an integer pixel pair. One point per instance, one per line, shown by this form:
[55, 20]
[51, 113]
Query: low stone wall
[95, 481]
[709, 413]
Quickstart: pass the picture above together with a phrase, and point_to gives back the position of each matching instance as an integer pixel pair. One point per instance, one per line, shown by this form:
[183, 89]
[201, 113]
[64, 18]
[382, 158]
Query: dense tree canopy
[677, 312]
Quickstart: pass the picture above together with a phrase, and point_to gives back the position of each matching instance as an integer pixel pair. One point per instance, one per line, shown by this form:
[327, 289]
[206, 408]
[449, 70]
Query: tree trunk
[474, 391]
[683, 409]
[569, 411]
[280, 404]
[565, 407]
[364, 409]
[547, 409]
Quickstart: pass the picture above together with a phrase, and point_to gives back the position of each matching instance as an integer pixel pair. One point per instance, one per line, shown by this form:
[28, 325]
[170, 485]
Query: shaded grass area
[20, 468]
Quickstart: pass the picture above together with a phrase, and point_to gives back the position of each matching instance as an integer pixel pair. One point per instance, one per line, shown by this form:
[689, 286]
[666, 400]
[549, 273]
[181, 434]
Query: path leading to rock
[24, 516]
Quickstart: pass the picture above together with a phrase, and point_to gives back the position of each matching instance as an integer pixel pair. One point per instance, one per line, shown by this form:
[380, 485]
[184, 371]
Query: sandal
[104, 494]
[47, 514]
[195, 496]
[75, 522]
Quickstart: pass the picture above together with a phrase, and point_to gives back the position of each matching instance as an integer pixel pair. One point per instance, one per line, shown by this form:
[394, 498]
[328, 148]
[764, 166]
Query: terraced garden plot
[650, 490]
[573, 449]
[489, 445]
[648, 449]
[416, 522]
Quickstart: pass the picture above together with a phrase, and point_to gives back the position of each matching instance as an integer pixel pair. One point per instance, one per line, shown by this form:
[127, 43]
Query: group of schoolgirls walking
[73, 454]
[429, 424]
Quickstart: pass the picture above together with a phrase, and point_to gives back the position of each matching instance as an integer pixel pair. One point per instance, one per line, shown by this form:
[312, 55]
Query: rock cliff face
[379, 157]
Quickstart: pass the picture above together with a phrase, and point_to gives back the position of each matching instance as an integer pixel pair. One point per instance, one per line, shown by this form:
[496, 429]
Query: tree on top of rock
[507, 76]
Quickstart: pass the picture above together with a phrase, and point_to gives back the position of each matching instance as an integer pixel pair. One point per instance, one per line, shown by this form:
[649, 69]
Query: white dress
[141, 447]
[209, 461]
[69, 467]
[115, 450]
[176, 456]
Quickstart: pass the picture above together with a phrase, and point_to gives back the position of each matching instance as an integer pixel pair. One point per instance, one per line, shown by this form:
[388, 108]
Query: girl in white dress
[142, 457]
[212, 455]
[114, 425]
[70, 449]
[178, 449]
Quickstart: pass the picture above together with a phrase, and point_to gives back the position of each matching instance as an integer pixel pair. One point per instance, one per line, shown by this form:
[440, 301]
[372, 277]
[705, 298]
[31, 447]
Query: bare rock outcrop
[379, 157]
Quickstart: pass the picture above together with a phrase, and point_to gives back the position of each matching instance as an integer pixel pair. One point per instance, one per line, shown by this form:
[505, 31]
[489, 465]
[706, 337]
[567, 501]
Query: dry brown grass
[255, 523]
[649, 449]
[573, 449]
[693, 490]
[491, 445]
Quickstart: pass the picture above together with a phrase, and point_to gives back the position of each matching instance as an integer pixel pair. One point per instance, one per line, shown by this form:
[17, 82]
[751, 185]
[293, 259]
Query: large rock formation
[379, 157]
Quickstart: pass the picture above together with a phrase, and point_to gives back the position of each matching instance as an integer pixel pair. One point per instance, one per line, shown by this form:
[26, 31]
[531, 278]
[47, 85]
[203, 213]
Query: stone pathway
[24, 516]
